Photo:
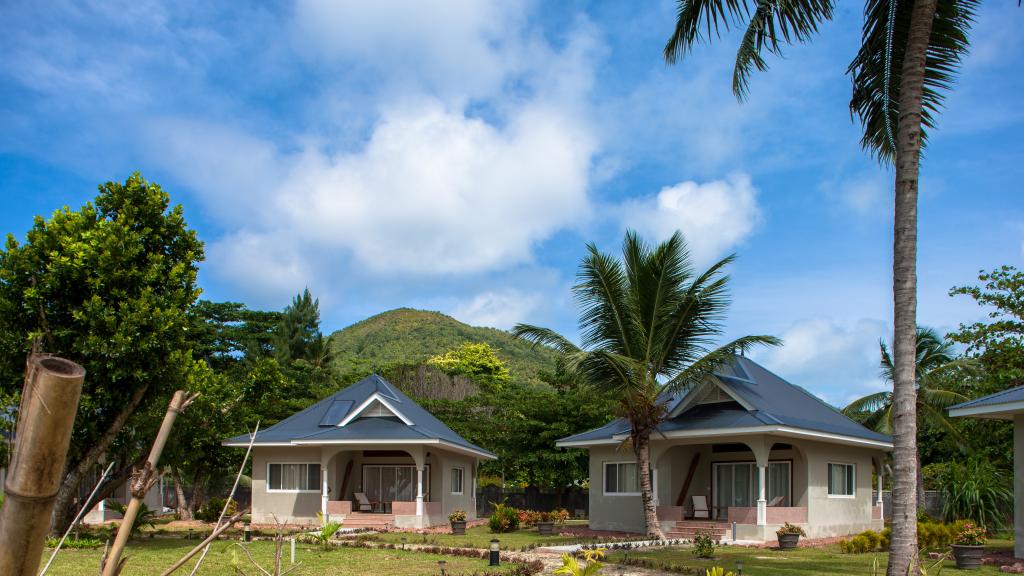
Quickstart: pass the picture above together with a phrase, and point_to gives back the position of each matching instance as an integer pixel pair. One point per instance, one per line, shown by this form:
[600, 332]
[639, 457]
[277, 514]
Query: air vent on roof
[377, 410]
[715, 395]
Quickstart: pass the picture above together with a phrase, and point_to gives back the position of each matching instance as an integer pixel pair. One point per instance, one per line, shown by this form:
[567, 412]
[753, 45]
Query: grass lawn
[149, 557]
[480, 537]
[799, 562]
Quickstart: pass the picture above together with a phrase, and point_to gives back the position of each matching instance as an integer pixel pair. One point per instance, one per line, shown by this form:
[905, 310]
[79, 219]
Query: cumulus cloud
[501, 309]
[835, 361]
[714, 216]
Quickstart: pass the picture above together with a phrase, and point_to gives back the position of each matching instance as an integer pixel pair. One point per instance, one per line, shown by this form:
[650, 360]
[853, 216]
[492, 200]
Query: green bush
[866, 541]
[703, 545]
[82, 543]
[977, 490]
[886, 538]
[144, 516]
[210, 511]
[504, 519]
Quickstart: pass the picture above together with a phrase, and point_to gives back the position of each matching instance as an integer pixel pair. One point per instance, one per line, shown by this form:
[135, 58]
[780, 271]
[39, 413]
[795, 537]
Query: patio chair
[700, 507]
[777, 501]
[363, 502]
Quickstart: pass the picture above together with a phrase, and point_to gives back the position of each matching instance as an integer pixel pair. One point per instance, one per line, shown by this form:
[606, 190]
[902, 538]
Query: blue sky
[457, 156]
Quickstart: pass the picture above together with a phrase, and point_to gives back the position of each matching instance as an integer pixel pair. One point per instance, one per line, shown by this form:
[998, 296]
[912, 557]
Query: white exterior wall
[831, 516]
[287, 507]
[612, 512]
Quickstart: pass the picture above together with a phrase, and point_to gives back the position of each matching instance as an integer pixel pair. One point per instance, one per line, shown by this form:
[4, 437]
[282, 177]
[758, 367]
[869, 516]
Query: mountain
[407, 336]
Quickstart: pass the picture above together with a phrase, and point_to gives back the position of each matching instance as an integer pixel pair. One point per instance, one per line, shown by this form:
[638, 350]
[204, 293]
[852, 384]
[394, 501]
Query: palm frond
[870, 403]
[938, 398]
[948, 45]
[544, 337]
[602, 292]
[937, 418]
[693, 15]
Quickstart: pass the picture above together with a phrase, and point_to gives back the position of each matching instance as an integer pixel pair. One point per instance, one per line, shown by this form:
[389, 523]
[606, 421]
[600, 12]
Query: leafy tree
[936, 361]
[477, 361]
[227, 334]
[648, 323]
[999, 343]
[109, 286]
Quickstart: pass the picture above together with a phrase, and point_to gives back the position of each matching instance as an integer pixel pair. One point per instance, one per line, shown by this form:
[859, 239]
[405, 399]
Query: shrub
[76, 543]
[457, 516]
[210, 511]
[144, 517]
[703, 545]
[504, 519]
[717, 571]
[788, 528]
[866, 541]
[528, 517]
[873, 538]
[886, 538]
[560, 516]
[971, 535]
[978, 491]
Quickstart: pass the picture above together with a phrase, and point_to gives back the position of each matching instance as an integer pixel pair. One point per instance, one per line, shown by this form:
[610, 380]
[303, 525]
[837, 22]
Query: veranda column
[878, 500]
[419, 491]
[323, 492]
[762, 504]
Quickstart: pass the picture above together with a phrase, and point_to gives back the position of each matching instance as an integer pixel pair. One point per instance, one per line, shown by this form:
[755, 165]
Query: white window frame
[604, 478]
[319, 489]
[462, 481]
[828, 485]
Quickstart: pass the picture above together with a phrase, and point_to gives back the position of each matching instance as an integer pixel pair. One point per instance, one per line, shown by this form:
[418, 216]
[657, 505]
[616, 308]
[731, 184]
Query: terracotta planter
[788, 541]
[967, 557]
[546, 528]
[459, 528]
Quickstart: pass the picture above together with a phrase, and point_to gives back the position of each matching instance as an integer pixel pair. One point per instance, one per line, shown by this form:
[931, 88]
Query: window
[457, 480]
[621, 478]
[841, 480]
[293, 477]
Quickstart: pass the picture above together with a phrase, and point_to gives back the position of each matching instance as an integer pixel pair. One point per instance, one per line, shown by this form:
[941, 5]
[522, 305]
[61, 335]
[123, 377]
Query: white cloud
[714, 216]
[837, 362]
[501, 309]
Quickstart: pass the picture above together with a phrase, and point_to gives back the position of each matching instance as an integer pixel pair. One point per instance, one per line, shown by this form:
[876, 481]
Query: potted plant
[789, 535]
[545, 524]
[968, 547]
[458, 522]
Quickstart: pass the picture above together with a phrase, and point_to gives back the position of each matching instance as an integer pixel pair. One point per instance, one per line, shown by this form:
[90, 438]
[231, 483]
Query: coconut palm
[935, 360]
[910, 51]
[648, 324]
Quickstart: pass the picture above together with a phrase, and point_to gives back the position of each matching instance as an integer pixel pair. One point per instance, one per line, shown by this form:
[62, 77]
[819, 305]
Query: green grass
[480, 537]
[769, 562]
[148, 557]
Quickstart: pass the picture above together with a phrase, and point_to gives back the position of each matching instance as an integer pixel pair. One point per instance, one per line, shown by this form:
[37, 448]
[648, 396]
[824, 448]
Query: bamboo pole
[81, 512]
[144, 479]
[49, 402]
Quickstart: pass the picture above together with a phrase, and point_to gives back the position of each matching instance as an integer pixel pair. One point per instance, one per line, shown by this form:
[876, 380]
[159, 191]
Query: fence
[574, 500]
[933, 502]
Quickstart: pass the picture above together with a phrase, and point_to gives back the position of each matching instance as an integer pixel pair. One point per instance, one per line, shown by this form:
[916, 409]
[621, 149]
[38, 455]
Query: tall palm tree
[910, 51]
[934, 360]
[648, 324]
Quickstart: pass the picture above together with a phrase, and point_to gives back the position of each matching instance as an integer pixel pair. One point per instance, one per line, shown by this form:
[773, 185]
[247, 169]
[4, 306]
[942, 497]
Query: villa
[744, 451]
[367, 456]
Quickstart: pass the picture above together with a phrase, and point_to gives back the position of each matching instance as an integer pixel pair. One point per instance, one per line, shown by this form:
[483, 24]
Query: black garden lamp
[442, 564]
[739, 568]
[495, 552]
[403, 542]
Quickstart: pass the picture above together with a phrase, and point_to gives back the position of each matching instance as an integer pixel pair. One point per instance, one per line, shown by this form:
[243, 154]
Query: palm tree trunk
[181, 505]
[642, 442]
[903, 550]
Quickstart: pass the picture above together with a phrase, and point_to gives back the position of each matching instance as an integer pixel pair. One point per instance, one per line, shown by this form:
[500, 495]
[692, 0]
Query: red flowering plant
[971, 535]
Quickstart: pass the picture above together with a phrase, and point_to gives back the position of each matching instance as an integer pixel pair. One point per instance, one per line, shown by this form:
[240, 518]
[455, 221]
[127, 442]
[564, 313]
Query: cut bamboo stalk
[213, 536]
[81, 512]
[144, 479]
[49, 402]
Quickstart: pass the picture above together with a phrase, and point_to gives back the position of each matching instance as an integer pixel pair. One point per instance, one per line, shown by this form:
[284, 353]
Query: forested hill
[408, 336]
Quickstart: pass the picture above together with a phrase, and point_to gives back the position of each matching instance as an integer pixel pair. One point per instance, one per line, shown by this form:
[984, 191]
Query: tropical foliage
[976, 490]
[648, 326]
[587, 564]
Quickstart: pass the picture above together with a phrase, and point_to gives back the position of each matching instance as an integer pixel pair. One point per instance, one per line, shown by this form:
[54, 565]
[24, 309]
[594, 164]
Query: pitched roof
[335, 420]
[1001, 405]
[755, 400]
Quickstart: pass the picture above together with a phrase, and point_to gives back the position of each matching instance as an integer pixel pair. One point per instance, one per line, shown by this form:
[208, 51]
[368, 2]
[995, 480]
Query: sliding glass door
[387, 483]
[736, 485]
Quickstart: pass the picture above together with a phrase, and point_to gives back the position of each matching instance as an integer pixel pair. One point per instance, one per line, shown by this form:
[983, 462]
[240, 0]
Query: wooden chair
[777, 501]
[700, 507]
[363, 502]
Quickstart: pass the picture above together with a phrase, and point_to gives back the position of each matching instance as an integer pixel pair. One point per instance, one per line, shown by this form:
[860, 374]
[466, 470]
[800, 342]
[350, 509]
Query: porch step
[368, 521]
[688, 529]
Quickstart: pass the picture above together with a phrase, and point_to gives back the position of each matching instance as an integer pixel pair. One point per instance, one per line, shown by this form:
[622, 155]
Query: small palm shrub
[210, 511]
[504, 519]
[717, 571]
[703, 545]
[976, 490]
[326, 532]
[144, 517]
[587, 564]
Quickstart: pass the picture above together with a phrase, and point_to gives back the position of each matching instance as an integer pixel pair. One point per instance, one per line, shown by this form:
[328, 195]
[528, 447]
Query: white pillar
[762, 503]
[323, 492]
[419, 491]
[878, 499]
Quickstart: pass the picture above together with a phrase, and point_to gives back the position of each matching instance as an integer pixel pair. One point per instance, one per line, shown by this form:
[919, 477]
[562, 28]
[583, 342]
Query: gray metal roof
[1003, 403]
[765, 400]
[320, 422]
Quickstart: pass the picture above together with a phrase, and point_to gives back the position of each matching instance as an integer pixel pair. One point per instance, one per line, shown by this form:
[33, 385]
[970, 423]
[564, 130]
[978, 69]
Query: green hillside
[408, 336]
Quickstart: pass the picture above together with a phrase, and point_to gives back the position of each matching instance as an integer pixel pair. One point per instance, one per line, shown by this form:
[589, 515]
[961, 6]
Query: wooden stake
[49, 402]
[213, 536]
[144, 479]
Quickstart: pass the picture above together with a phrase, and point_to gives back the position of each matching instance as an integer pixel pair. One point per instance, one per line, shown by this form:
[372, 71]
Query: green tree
[935, 362]
[648, 323]
[298, 334]
[109, 286]
[908, 57]
[477, 361]
[998, 344]
[229, 335]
